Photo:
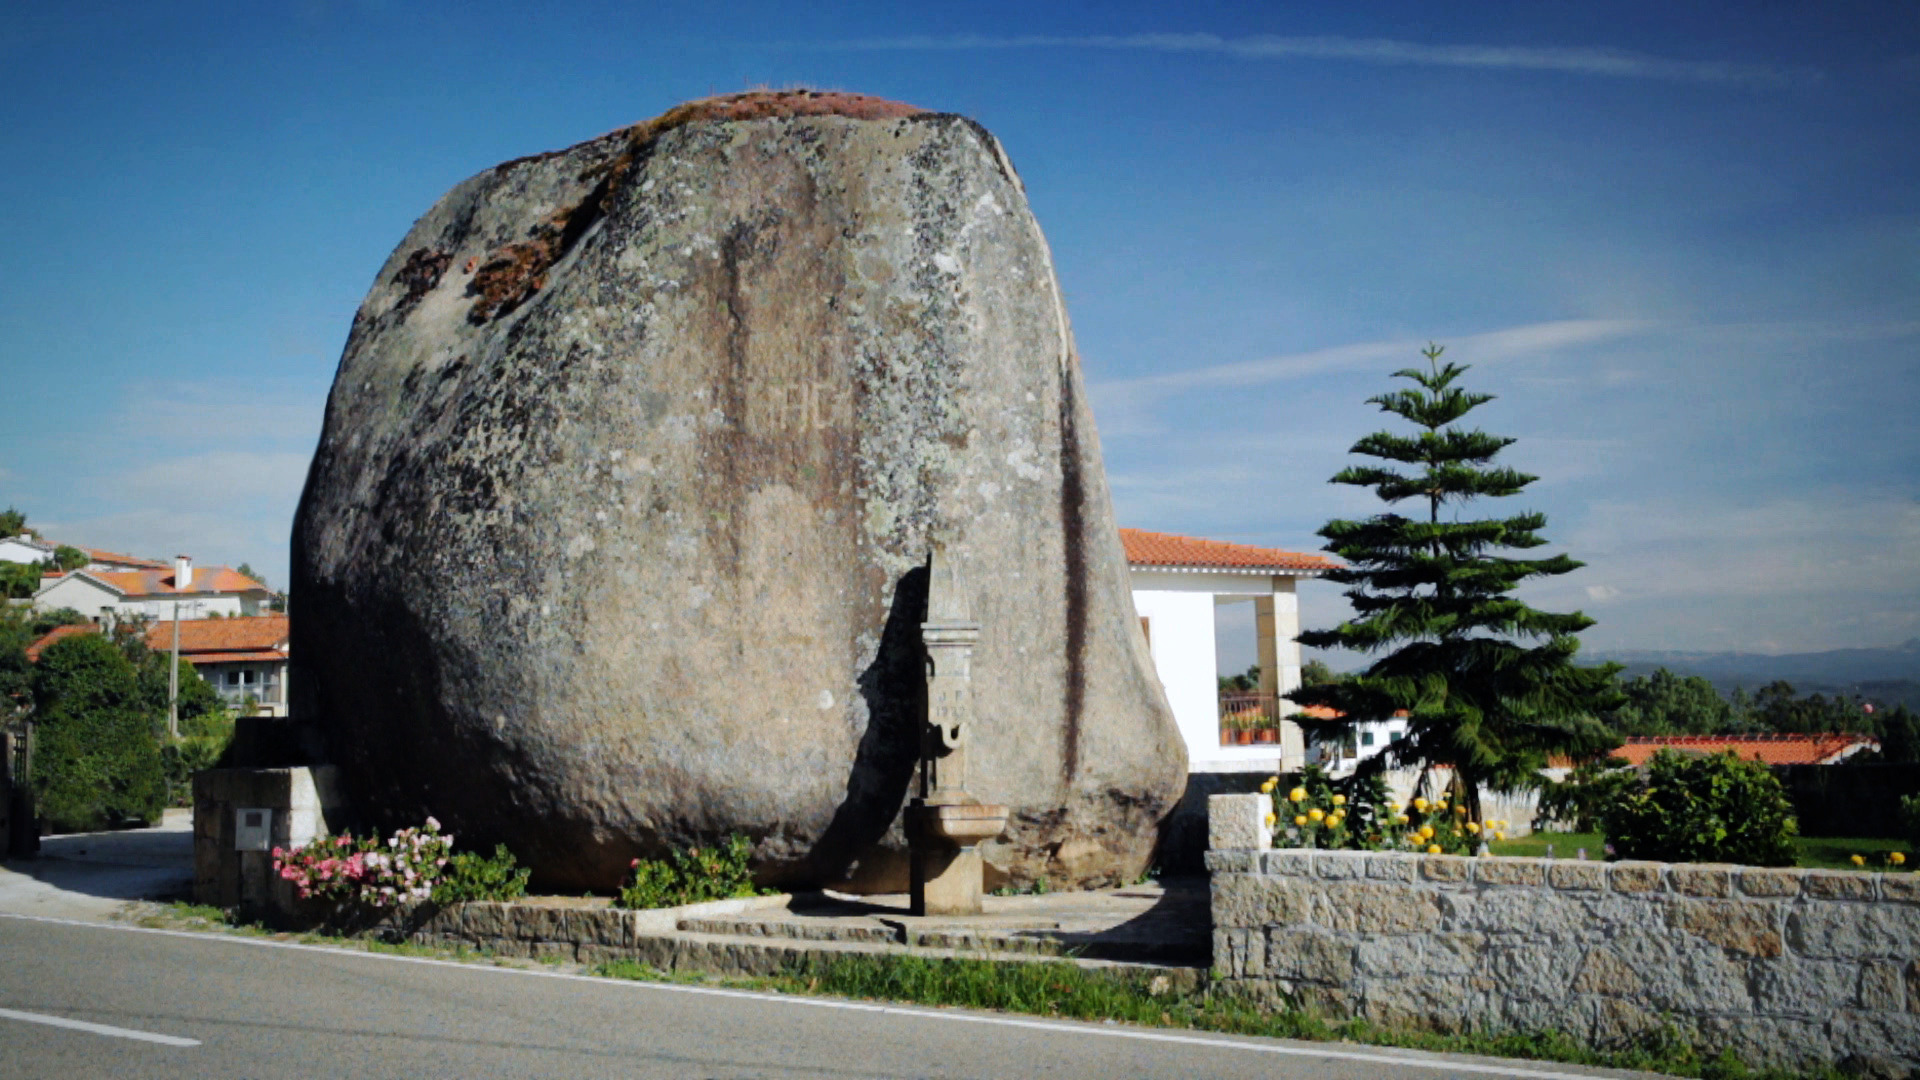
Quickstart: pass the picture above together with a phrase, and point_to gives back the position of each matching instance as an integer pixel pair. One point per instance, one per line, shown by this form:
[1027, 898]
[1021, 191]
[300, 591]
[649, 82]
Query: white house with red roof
[1178, 581]
[25, 548]
[181, 591]
[244, 659]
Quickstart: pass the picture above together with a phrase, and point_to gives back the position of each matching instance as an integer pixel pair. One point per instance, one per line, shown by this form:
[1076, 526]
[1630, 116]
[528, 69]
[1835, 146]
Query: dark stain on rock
[421, 273]
[1074, 529]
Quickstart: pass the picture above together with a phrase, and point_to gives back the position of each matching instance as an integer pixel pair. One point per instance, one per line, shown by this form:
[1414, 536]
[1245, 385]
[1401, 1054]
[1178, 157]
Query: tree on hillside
[1488, 683]
[12, 522]
[95, 764]
[1778, 707]
[68, 557]
[1667, 704]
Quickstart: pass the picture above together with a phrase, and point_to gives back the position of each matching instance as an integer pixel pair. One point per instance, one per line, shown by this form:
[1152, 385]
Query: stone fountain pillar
[943, 822]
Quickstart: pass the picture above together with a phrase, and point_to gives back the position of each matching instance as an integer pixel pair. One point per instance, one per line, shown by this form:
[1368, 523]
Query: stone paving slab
[1146, 923]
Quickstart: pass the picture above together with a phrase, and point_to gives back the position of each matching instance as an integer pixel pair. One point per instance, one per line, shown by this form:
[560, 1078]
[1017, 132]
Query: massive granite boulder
[616, 537]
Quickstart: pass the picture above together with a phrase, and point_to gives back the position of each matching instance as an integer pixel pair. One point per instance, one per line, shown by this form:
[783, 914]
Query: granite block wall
[1786, 967]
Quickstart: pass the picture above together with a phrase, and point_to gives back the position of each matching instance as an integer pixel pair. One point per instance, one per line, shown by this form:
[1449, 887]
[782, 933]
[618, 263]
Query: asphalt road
[80, 1000]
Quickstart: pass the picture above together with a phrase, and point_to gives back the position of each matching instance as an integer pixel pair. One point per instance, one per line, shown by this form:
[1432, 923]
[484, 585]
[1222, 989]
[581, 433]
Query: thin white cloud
[1603, 63]
[1815, 571]
[1486, 348]
[278, 412]
[213, 481]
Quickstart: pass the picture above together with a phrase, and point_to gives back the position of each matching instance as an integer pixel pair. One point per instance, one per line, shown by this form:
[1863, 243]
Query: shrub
[1716, 808]
[691, 876]
[1910, 818]
[359, 876]
[470, 875]
[203, 741]
[1575, 803]
[95, 764]
[1359, 812]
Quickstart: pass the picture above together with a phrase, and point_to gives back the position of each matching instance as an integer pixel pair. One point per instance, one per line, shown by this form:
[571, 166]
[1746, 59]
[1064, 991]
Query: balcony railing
[1248, 719]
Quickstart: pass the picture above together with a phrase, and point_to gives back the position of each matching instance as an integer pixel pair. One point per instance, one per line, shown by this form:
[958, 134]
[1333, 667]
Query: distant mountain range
[1889, 675]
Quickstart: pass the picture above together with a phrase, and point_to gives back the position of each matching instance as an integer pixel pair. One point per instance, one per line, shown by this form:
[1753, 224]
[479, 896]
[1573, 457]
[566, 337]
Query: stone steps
[1163, 934]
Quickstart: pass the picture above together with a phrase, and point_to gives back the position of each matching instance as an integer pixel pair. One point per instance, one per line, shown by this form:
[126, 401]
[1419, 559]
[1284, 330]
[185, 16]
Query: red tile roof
[206, 579]
[40, 643]
[100, 556]
[1165, 549]
[202, 641]
[245, 634]
[1821, 749]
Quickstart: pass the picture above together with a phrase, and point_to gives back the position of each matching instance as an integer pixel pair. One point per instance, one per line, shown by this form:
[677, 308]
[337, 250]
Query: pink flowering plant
[367, 873]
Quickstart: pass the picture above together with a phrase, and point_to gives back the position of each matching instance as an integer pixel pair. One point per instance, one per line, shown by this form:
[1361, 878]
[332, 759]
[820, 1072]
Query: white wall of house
[92, 599]
[22, 549]
[1177, 606]
[1369, 738]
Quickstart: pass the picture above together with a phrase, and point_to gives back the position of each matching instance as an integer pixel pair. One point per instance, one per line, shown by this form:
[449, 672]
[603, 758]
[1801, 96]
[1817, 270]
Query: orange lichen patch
[511, 274]
[770, 104]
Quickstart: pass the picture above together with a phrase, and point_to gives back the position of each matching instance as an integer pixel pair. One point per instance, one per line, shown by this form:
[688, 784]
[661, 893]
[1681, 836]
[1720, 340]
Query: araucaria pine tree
[1488, 683]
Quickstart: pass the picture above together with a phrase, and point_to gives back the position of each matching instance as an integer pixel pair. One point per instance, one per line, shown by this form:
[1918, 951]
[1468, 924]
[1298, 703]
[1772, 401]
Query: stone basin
[960, 824]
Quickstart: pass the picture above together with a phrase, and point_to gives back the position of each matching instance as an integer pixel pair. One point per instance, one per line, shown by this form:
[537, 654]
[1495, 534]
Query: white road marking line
[97, 1029]
[1325, 1052]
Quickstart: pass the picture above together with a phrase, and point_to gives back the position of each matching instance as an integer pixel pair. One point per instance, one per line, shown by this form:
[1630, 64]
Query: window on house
[1366, 738]
[1396, 736]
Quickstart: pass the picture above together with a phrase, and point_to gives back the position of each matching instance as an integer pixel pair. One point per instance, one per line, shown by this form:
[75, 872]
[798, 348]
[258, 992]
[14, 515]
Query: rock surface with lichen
[616, 535]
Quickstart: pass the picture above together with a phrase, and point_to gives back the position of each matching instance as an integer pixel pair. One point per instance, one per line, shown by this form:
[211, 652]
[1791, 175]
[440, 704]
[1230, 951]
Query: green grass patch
[1066, 991]
[1836, 852]
[1566, 845]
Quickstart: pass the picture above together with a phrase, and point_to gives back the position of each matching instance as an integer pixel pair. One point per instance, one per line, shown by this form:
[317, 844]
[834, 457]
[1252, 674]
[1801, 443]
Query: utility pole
[173, 679]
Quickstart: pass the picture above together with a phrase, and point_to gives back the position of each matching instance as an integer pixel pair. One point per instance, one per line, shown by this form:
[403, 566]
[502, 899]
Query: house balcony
[1248, 719]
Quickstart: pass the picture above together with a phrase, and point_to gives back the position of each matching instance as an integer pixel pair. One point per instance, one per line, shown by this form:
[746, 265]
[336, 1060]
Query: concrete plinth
[233, 863]
[946, 869]
[946, 881]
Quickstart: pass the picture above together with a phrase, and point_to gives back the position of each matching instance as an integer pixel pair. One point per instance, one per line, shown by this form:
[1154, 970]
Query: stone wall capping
[1782, 882]
[1900, 888]
[1840, 884]
[1392, 866]
[1577, 874]
[1446, 869]
[1702, 879]
[1510, 870]
[1634, 876]
[1340, 864]
[1290, 862]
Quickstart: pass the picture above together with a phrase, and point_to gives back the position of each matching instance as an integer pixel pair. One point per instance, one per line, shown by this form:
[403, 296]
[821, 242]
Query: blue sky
[1680, 242]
